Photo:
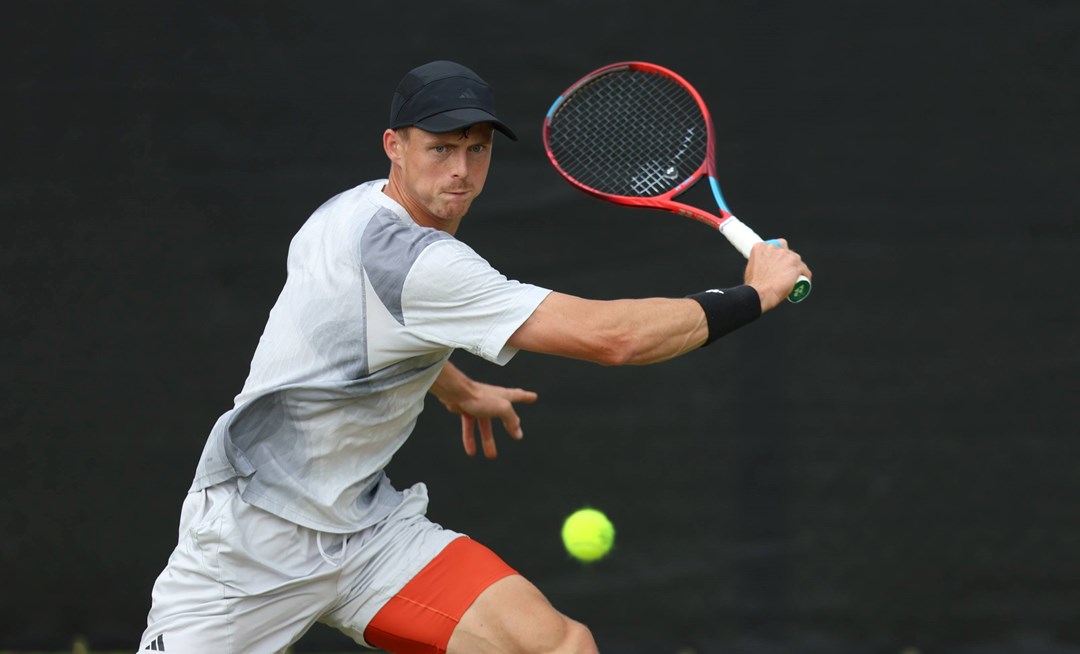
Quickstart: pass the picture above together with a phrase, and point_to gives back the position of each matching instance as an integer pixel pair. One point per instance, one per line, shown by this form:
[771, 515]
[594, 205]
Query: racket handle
[744, 239]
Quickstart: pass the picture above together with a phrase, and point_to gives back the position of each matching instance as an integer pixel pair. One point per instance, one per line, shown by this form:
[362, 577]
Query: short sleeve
[453, 297]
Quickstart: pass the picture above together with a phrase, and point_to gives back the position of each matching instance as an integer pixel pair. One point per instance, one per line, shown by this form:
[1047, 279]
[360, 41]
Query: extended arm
[638, 332]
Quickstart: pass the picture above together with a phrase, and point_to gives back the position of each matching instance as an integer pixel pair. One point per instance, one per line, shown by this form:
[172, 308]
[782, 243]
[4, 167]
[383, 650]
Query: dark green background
[892, 463]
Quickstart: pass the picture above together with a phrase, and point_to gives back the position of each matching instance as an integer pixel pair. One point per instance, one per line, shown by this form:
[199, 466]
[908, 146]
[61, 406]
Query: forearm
[614, 332]
[645, 331]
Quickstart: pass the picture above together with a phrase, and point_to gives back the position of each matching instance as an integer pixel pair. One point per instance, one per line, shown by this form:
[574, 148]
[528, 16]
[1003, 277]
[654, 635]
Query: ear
[393, 145]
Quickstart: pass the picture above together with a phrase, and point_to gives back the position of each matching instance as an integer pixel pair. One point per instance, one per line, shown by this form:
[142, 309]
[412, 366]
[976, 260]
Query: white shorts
[242, 579]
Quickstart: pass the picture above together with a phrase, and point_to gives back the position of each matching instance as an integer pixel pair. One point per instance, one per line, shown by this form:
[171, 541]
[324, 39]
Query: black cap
[443, 96]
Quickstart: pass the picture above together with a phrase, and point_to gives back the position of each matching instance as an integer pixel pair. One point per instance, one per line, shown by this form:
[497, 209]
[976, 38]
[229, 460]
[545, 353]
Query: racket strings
[630, 133]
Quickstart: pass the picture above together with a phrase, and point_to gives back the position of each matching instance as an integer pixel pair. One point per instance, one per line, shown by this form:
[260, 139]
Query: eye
[439, 149]
[478, 148]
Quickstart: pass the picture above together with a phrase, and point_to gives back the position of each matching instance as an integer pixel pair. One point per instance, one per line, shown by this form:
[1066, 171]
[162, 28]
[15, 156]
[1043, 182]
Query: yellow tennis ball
[588, 535]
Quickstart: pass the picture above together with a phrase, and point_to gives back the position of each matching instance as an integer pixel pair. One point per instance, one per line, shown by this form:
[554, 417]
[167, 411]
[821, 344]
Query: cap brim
[455, 119]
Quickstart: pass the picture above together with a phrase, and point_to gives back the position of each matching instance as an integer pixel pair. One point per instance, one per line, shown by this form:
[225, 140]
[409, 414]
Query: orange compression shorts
[423, 615]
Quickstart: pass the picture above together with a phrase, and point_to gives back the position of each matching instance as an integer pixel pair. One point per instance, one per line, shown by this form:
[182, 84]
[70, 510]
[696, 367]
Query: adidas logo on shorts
[157, 645]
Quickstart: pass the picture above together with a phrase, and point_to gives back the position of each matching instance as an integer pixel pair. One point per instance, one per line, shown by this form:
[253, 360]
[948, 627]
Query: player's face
[439, 175]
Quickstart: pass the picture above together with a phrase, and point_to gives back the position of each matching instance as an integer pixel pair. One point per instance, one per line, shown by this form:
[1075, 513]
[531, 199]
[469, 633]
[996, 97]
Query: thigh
[512, 615]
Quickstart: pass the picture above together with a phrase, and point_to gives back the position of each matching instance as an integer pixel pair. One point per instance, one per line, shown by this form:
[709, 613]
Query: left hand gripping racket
[638, 134]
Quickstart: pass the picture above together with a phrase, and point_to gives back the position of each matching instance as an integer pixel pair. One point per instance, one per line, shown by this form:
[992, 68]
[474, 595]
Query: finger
[764, 247]
[804, 270]
[468, 438]
[520, 395]
[487, 438]
[512, 423]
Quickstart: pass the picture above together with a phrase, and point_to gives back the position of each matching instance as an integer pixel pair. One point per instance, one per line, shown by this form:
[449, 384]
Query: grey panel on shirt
[389, 248]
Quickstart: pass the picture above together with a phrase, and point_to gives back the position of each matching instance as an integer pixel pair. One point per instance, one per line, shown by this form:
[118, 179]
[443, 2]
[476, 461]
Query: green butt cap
[801, 290]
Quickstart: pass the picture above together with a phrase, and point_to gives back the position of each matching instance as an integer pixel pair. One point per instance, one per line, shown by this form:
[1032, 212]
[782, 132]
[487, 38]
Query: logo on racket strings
[655, 176]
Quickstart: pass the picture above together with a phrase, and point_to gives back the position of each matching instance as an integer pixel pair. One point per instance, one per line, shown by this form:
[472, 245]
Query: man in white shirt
[291, 519]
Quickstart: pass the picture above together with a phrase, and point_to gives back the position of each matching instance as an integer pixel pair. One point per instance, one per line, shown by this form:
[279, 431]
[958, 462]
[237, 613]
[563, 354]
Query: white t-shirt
[372, 308]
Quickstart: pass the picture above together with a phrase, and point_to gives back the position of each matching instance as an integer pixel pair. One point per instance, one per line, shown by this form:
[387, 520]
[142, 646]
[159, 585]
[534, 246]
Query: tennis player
[291, 518]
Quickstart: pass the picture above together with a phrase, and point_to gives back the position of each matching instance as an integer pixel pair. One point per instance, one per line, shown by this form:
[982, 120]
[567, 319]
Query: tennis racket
[638, 134]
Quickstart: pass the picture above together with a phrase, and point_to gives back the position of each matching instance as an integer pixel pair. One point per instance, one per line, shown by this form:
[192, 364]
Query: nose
[460, 165]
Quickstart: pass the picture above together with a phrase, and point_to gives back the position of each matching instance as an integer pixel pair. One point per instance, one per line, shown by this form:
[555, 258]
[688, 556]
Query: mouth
[457, 195]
